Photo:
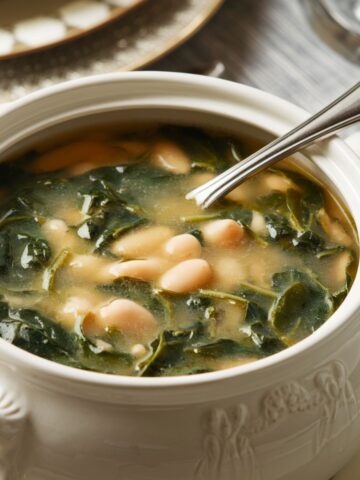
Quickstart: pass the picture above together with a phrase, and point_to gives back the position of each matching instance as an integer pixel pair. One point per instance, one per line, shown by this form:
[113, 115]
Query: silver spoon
[341, 113]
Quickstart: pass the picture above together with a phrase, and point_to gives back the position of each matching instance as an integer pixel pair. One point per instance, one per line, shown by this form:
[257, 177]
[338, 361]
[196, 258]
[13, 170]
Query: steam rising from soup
[105, 266]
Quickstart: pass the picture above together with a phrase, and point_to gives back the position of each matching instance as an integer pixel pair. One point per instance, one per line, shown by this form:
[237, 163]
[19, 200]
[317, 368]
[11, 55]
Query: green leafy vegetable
[36, 253]
[195, 232]
[201, 218]
[109, 215]
[51, 271]
[341, 293]
[177, 349]
[303, 304]
[215, 294]
[41, 336]
[264, 337]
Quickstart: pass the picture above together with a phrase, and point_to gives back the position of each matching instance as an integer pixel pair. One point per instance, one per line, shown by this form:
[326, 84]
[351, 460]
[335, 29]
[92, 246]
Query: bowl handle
[13, 421]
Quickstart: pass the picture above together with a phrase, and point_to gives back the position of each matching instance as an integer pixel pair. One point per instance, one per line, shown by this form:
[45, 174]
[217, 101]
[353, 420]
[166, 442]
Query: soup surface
[105, 266]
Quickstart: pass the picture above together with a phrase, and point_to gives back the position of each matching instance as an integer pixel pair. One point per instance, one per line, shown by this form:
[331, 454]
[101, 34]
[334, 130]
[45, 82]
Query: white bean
[198, 179]
[146, 270]
[182, 247]
[55, 225]
[223, 233]
[258, 224]
[339, 268]
[131, 319]
[134, 147]
[187, 276]
[81, 168]
[142, 242]
[73, 308]
[240, 194]
[65, 156]
[104, 346]
[334, 229]
[171, 157]
[88, 267]
[76, 306]
[277, 182]
[59, 235]
[138, 350]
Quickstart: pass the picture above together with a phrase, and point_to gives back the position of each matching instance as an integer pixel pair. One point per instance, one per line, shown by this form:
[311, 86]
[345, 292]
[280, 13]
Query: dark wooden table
[271, 45]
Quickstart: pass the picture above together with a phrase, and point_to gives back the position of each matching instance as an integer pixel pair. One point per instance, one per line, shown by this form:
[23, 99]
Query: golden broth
[105, 266]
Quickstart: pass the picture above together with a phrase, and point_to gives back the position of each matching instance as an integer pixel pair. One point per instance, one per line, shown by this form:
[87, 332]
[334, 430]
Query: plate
[28, 26]
[149, 32]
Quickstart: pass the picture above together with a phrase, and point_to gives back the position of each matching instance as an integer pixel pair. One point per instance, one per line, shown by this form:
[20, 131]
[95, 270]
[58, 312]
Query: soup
[105, 266]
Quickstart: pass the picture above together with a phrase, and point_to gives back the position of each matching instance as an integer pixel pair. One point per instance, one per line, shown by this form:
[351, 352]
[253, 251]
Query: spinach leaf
[201, 217]
[51, 271]
[312, 191]
[140, 178]
[116, 226]
[103, 227]
[310, 200]
[168, 350]
[52, 332]
[41, 336]
[5, 260]
[21, 257]
[279, 227]
[255, 313]
[262, 297]
[207, 152]
[197, 144]
[295, 208]
[109, 214]
[289, 216]
[264, 337]
[341, 293]
[175, 350]
[240, 215]
[35, 333]
[303, 303]
[36, 252]
[308, 241]
[195, 232]
[217, 295]
[94, 359]
[13, 216]
[329, 251]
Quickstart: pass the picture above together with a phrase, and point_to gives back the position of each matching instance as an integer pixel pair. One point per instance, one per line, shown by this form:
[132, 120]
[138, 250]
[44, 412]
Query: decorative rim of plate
[148, 33]
[76, 19]
[176, 41]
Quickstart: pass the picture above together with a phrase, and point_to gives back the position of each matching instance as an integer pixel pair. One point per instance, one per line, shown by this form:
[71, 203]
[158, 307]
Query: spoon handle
[343, 111]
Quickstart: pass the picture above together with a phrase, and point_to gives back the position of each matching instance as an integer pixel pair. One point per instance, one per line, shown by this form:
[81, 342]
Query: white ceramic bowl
[293, 415]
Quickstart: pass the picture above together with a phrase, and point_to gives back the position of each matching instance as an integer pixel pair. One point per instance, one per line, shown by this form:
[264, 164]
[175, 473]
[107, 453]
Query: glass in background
[338, 23]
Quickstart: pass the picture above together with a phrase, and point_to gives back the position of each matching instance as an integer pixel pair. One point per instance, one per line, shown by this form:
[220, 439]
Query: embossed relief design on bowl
[233, 435]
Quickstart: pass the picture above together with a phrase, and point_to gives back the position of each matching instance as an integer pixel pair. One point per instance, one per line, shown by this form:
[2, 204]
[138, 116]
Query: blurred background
[307, 51]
